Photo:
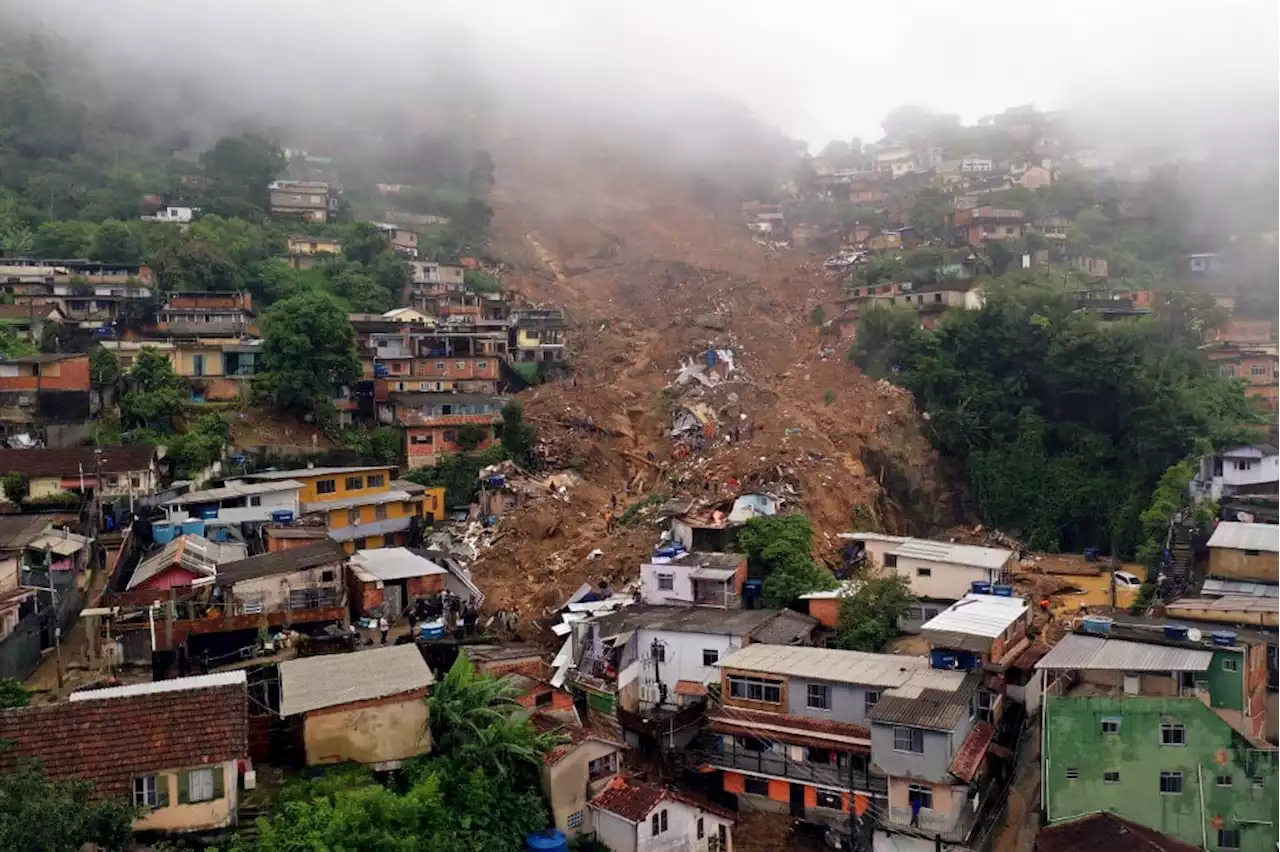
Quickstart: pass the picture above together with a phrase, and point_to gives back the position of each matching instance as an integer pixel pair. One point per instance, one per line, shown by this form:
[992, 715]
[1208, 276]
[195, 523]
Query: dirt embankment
[652, 282]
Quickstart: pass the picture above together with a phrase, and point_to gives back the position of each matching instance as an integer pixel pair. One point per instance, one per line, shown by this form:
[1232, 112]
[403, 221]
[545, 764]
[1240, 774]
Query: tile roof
[828, 664]
[18, 531]
[323, 552]
[1106, 832]
[1238, 536]
[969, 758]
[577, 734]
[629, 799]
[110, 737]
[1100, 653]
[313, 683]
[932, 699]
[691, 687]
[72, 461]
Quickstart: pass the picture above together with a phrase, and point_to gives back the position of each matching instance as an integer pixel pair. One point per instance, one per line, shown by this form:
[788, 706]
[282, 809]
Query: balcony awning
[720, 574]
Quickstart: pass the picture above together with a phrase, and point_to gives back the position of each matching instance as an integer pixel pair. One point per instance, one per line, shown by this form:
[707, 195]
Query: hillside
[651, 281]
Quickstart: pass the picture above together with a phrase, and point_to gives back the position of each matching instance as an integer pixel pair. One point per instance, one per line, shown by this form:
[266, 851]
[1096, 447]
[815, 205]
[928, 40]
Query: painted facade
[371, 732]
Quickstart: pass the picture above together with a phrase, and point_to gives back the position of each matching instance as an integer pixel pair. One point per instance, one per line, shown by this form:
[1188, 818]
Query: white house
[1235, 470]
[977, 165]
[634, 817]
[946, 572]
[237, 502]
[701, 579]
[174, 214]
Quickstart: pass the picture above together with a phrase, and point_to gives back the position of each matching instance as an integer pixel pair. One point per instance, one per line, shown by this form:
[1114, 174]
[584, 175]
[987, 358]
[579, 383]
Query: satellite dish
[1194, 634]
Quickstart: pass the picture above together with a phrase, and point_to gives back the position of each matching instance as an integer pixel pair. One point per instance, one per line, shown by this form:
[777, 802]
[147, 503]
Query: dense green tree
[38, 814]
[239, 168]
[12, 692]
[779, 548]
[309, 352]
[116, 242]
[869, 615]
[198, 447]
[517, 436]
[481, 282]
[64, 239]
[155, 395]
[104, 367]
[360, 292]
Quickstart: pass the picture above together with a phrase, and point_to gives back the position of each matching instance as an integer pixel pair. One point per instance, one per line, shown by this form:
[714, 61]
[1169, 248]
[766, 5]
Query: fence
[21, 650]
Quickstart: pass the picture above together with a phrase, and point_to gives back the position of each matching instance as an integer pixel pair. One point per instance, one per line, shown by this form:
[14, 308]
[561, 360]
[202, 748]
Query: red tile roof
[1106, 831]
[691, 687]
[132, 731]
[72, 461]
[577, 735]
[629, 799]
[969, 758]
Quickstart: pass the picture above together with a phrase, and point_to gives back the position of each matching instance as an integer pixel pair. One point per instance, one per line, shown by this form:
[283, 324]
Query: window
[659, 651]
[1111, 778]
[200, 785]
[355, 483]
[830, 799]
[1073, 773]
[450, 435]
[937, 297]
[924, 572]
[986, 705]
[666, 582]
[576, 819]
[1228, 838]
[136, 482]
[440, 365]
[659, 822]
[1258, 370]
[380, 512]
[922, 794]
[1244, 465]
[326, 486]
[908, 739]
[482, 365]
[1111, 725]
[353, 515]
[710, 656]
[150, 791]
[702, 829]
[544, 699]
[1227, 371]
[361, 543]
[819, 755]
[930, 612]
[1230, 664]
[1171, 782]
[460, 365]
[1224, 781]
[756, 689]
[603, 767]
[326, 576]
[113, 481]
[870, 700]
[891, 560]
[1172, 734]
[819, 696]
[376, 480]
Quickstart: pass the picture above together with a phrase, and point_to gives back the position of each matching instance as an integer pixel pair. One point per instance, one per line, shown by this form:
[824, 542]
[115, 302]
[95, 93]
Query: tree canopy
[309, 351]
[779, 548]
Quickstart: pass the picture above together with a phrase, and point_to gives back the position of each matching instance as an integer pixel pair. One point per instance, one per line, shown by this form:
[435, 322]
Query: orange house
[53, 372]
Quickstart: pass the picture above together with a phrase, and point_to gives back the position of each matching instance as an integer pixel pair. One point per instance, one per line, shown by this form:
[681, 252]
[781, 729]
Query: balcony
[856, 778]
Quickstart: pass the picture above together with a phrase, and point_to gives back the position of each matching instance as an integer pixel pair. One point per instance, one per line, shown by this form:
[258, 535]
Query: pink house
[182, 562]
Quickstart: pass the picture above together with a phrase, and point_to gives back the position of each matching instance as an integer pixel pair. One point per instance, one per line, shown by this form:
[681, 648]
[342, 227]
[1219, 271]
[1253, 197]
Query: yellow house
[304, 250]
[362, 507]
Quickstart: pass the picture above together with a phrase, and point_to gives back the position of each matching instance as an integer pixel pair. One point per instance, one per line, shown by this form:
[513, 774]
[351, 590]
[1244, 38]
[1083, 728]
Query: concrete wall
[1232, 564]
[196, 816]
[682, 832]
[614, 831]
[949, 804]
[683, 652]
[568, 788]
[934, 764]
[944, 581]
[848, 701]
[1074, 742]
[368, 732]
[274, 591]
[270, 502]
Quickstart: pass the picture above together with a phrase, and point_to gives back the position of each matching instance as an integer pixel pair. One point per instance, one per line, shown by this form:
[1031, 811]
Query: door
[392, 602]
[197, 365]
[797, 800]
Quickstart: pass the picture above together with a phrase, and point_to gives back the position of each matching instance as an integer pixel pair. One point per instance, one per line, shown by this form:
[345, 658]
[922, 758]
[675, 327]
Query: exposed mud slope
[652, 281]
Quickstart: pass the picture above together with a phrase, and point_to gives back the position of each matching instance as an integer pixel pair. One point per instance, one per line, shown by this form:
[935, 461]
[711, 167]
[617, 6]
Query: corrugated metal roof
[1098, 653]
[978, 615]
[829, 664]
[848, 587]
[1240, 588]
[931, 698]
[309, 472]
[377, 498]
[712, 573]
[364, 530]
[954, 554]
[234, 489]
[1237, 536]
[874, 536]
[394, 563]
[177, 684]
[193, 552]
[1224, 604]
[329, 680]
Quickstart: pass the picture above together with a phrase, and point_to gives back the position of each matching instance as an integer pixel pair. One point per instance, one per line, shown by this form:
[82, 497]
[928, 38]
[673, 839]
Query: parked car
[1124, 579]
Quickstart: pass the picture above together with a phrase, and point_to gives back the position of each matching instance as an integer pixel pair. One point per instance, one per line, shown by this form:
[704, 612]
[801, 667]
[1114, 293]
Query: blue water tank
[209, 513]
[163, 533]
[1175, 631]
[1003, 591]
[944, 660]
[193, 527]
[282, 516]
[1096, 624]
[980, 588]
[550, 840]
[1224, 638]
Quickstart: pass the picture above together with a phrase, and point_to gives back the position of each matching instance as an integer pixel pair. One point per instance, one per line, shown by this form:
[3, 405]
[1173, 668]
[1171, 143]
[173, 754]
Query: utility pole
[53, 599]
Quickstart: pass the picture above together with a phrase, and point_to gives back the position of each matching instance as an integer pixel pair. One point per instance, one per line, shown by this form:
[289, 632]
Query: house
[404, 242]
[429, 274]
[978, 631]
[538, 335]
[52, 387]
[279, 536]
[825, 605]
[205, 315]
[312, 201]
[1245, 552]
[1238, 470]
[1246, 349]
[931, 300]
[238, 502]
[1104, 830]
[217, 369]
[976, 165]
[172, 748]
[629, 816]
[1116, 304]
[174, 214]
[53, 276]
[715, 530]
[121, 471]
[699, 579]
[509, 658]
[659, 660]
[290, 587]
[1052, 228]
[1095, 266]
[18, 600]
[975, 226]
[885, 241]
[1035, 177]
[366, 707]
[388, 580]
[1157, 732]
[304, 251]
[182, 562]
[576, 772]
[27, 322]
[432, 422]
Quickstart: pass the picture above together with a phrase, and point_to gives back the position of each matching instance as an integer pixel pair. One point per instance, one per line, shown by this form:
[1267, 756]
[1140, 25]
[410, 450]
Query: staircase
[1180, 548]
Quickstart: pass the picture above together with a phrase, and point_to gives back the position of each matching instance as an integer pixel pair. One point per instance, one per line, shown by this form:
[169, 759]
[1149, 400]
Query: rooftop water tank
[1003, 591]
[1175, 631]
[980, 587]
[1096, 624]
[1224, 638]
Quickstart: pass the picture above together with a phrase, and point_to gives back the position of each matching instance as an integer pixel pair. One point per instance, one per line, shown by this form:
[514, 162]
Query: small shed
[366, 706]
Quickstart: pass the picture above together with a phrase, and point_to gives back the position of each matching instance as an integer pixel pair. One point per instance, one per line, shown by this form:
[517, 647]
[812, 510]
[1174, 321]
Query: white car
[1124, 579]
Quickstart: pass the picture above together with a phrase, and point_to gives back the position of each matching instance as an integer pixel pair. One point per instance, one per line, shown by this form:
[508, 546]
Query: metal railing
[779, 766]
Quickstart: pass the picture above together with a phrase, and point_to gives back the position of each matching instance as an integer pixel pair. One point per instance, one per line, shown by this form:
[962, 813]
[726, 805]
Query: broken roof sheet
[1099, 653]
[323, 552]
[685, 619]
[330, 680]
[1238, 536]
[193, 552]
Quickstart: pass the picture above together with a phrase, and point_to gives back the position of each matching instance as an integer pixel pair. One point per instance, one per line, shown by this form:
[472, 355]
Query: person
[413, 618]
[469, 617]
[384, 627]
[606, 590]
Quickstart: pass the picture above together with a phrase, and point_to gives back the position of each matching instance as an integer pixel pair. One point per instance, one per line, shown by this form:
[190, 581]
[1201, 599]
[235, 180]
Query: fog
[1141, 72]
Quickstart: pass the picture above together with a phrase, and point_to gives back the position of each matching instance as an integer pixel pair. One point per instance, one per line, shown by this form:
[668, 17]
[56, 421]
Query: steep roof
[323, 552]
[72, 461]
[193, 552]
[18, 531]
[330, 680]
[109, 736]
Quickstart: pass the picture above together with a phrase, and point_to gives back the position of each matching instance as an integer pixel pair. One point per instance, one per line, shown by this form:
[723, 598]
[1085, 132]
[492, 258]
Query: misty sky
[817, 70]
